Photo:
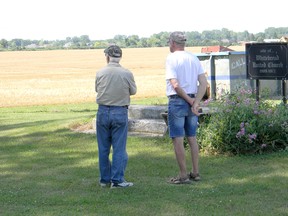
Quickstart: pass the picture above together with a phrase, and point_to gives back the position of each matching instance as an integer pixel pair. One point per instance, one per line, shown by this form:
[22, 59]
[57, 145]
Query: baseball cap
[113, 51]
[178, 37]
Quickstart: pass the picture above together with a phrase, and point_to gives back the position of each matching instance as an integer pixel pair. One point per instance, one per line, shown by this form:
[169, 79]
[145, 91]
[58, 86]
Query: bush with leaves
[243, 125]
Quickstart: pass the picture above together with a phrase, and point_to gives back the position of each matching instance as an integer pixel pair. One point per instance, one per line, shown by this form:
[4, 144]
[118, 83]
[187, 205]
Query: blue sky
[58, 19]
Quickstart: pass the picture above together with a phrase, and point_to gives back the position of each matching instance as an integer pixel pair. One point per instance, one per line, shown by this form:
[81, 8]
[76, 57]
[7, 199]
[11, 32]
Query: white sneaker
[121, 185]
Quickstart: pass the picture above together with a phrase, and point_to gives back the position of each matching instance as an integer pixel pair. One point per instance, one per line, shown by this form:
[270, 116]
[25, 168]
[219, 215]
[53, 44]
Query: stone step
[144, 120]
[147, 127]
[146, 112]
[154, 126]
[148, 121]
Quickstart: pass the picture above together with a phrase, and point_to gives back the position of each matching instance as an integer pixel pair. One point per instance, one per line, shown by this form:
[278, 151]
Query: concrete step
[144, 121]
[146, 112]
[149, 120]
[154, 126]
[147, 127]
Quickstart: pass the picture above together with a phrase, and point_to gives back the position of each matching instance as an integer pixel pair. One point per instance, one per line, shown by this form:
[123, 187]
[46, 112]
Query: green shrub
[242, 125]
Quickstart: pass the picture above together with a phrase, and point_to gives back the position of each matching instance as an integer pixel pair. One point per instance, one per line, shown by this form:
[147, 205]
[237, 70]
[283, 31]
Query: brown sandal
[194, 177]
[179, 180]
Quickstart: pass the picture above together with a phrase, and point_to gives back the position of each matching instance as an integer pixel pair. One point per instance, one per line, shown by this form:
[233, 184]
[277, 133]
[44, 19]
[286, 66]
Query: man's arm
[132, 85]
[200, 93]
[96, 90]
[175, 84]
[194, 102]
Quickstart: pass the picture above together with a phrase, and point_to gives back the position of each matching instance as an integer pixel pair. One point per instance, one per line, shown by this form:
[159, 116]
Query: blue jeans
[181, 121]
[112, 130]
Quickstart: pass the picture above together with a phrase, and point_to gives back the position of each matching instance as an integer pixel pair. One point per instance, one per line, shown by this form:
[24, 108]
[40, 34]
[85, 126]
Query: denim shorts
[181, 120]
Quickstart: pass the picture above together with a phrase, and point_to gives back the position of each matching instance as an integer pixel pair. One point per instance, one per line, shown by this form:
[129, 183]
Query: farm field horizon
[67, 76]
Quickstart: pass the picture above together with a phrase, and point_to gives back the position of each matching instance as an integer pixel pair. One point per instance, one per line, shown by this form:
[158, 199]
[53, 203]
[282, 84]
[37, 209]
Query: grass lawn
[47, 169]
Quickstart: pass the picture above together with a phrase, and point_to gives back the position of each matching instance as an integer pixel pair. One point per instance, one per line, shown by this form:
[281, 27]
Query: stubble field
[67, 76]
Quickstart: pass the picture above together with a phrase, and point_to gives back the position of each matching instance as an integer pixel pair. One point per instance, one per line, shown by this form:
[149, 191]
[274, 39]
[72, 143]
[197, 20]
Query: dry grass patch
[67, 76]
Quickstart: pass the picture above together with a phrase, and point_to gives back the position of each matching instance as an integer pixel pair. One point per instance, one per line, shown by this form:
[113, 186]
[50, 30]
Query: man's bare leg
[180, 155]
[194, 150]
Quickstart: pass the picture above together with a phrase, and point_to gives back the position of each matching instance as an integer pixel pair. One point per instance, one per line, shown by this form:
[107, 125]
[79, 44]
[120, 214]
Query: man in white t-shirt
[186, 86]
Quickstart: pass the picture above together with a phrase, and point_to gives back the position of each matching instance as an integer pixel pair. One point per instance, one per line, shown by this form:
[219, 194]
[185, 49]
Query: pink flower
[240, 133]
[206, 102]
[263, 145]
[256, 112]
[252, 136]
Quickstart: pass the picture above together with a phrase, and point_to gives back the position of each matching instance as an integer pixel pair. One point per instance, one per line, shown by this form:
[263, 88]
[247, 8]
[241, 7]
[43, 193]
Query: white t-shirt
[185, 67]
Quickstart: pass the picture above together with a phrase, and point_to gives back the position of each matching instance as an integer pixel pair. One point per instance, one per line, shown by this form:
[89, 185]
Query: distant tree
[58, 44]
[226, 34]
[75, 40]
[234, 38]
[193, 38]
[17, 42]
[100, 44]
[164, 36]
[84, 40]
[120, 40]
[41, 42]
[68, 39]
[244, 36]
[252, 37]
[4, 43]
[259, 37]
[222, 37]
[132, 41]
[143, 42]
[154, 41]
[206, 35]
[269, 32]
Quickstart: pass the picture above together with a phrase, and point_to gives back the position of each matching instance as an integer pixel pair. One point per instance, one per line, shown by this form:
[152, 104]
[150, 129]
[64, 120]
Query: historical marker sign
[267, 61]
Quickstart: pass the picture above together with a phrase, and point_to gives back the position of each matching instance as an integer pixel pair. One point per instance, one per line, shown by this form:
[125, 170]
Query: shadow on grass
[8, 127]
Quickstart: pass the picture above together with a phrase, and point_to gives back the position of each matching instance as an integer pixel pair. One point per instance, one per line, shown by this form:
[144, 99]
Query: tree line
[223, 37]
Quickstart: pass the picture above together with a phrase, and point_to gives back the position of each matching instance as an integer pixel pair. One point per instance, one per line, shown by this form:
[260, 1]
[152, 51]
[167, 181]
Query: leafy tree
[132, 41]
[260, 37]
[153, 41]
[252, 37]
[68, 39]
[4, 43]
[75, 40]
[143, 42]
[120, 40]
[100, 44]
[84, 40]
[193, 38]
[16, 42]
[222, 37]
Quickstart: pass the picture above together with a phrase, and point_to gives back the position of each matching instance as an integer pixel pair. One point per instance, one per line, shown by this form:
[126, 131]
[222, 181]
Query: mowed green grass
[47, 169]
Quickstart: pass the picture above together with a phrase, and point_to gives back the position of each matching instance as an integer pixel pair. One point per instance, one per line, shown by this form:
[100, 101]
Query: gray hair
[114, 59]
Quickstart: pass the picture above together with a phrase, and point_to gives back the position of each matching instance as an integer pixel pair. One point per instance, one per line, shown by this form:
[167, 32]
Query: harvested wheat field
[67, 76]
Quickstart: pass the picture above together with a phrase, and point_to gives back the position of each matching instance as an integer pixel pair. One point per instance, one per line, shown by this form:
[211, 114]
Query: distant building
[271, 40]
[68, 45]
[210, 49]
[32, 46]
[284, 39]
